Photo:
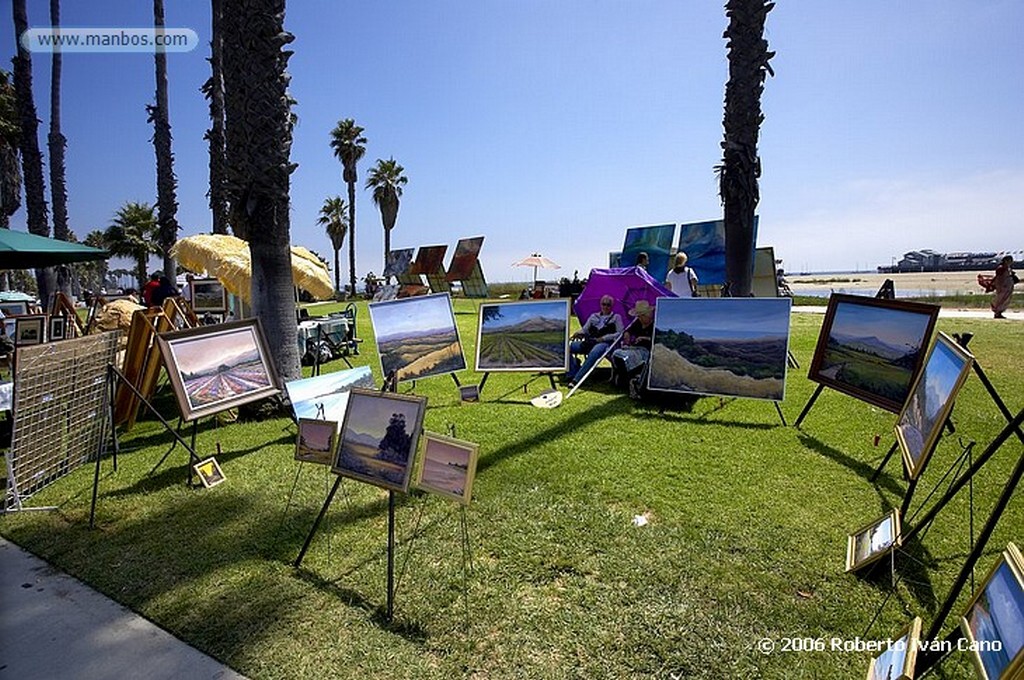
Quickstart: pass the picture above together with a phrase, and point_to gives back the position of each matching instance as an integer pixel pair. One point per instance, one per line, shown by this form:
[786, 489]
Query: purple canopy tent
[627, 286]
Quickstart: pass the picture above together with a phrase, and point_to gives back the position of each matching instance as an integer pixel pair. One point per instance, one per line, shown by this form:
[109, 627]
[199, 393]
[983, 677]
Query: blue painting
[704, 245]
[326, 396]
[656, 241]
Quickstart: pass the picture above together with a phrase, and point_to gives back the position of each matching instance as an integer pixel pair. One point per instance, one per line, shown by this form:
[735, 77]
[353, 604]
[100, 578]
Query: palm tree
[258, 138]
[94, 273]
[741, 166]
[55, 144]
[166, 183]
[386, 180]
[132, 234]
[348, 143]
[10, 134]
[213, 89]
[31, 157]
[333, 217]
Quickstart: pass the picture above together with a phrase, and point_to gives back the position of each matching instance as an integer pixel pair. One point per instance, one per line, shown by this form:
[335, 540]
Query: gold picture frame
[996, 614]
[897, 661]
[447, 467]
[873, 541]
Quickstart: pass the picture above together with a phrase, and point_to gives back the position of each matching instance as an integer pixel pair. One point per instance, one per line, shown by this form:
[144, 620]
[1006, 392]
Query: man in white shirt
[682, 280]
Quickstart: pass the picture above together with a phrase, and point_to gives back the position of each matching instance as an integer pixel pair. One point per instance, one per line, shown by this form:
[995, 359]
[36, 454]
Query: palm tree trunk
[337, 271]
[56, 144]
[259, 138]
[352, 236]
[215, 135]
[166, 183]
[31, 157]
[741, 167]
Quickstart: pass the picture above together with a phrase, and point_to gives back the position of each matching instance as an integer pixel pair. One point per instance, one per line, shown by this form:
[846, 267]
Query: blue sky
[552, 127]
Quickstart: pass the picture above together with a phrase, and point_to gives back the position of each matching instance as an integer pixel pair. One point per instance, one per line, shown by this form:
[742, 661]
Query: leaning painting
[417, 337]
[872, 349]
[994, 621]
[379, 438]
[523, 336]
[214, 368]
[930, 402]
[724, 346]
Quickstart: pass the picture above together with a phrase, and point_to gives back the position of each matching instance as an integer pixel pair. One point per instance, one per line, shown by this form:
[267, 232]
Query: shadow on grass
[859, 467]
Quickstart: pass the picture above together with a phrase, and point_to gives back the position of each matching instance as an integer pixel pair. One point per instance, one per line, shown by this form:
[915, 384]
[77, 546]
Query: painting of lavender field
[872, 349]
[417, 336]
[930, 402]
[724, 346]
[447, 467]
[704, 245]
[523, 336]
[379, 438]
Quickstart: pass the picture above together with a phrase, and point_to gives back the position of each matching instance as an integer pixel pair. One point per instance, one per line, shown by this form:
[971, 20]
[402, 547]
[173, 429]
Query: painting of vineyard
[523, 336]
[417, 337]
[872, 349]
[733, 347]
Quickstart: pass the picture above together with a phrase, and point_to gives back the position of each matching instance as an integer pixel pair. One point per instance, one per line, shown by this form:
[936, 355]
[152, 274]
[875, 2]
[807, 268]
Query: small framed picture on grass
[447, 467]
[29, 330]
[209, 472]
[470, 393]
[994, 620]
[871, 542]
[897, 661]
[58, 328]
[316, 441]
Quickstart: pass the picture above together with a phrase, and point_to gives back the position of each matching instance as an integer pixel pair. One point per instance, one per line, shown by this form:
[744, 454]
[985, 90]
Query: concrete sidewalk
[54, 626]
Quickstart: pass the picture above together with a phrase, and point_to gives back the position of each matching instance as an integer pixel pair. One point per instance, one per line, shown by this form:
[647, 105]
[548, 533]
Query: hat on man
[641, 307]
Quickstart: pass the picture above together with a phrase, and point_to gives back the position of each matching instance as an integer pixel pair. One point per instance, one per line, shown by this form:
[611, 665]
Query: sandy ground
[966, 282]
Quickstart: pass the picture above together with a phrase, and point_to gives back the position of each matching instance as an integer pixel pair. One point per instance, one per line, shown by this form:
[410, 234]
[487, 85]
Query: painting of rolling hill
[872, 349]
[733, 347]
[523, 336]
[417, 336]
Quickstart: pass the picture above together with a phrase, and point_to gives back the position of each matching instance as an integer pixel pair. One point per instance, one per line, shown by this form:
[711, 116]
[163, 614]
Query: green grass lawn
[746, 534]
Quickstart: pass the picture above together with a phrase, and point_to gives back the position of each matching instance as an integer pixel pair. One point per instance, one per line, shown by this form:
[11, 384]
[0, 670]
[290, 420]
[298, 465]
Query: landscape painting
[447, 467]
[873, 541]
[733, 347]
[872, 349]
[326, 396]
[214, 368]
[994, 622]
[379, 438]
[315, 442]
[656, 241]
[463, 264]
[523, 336]
[429, 260]
[931, 399]
[417, 337]
[398, 262]
[704, 245]
[209, 295]
[898, 659]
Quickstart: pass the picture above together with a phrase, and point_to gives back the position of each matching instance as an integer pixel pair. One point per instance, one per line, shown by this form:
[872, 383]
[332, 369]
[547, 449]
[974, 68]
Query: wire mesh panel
[60, 411]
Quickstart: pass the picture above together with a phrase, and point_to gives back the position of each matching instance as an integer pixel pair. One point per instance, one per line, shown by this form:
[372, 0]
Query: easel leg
[810, 403]
[391, 556]
[905, 507]
[316, 524]
[892, 450]
[456, 379]
[778, 409]
[483, 381]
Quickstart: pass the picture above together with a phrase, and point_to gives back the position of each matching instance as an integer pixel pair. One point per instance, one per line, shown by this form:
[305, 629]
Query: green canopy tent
[21, 250]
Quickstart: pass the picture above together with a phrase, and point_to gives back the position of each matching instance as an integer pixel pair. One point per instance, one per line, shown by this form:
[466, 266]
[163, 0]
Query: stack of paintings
[523, 336]
[417, 337]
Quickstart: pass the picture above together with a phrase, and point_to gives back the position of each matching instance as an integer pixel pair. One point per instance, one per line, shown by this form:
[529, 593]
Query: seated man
[593, 339]
[635, 349]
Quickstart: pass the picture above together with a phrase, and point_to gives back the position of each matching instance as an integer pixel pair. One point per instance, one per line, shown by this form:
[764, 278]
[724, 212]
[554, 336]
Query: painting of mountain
[733, 347]
[872, 349]
[523, 336]
[417, 337]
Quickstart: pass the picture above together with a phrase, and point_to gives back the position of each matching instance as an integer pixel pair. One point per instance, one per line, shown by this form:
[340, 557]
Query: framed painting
[447, 467]
[214, 368]
[209, 472]
[900, 656]
[325, 396]
[316, 441]
[417, 337]
[29, 330]
[656, 241]
[58, 328]
[734, 347]
[872, 349]
[523, 336]
[469, 393]
[872, 542]
[379, 437]
[10, 326]
[208, 295]
[994, 620]
[931, 399]
[14, 307]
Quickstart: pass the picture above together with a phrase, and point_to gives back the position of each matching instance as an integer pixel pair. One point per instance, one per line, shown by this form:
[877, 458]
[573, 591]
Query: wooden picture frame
[14, 308]
[528, 335]
[872, 541]
[447, 467]
[732, 347]
[996, 614]
[379, 437]
[209, 472]
[29, 330]
[872, 349]
[208, 295]
[417, 337]
[214, 368]
[899, 658]
[316, 441]
[58, 328]
[931, 399]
